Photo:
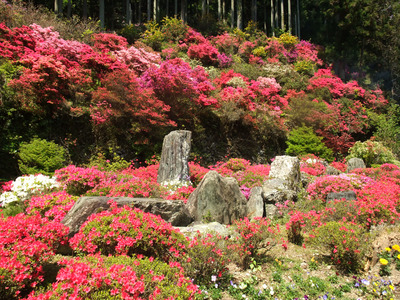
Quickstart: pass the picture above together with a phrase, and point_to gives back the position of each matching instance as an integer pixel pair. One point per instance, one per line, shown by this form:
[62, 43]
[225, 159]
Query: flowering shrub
[379, 202]
[372, 153]
[205, 256]
[127, 231]
[53, 206]
[250, 238]
[347, 243]
[312, 165]
[322, 186]
[98, 277]
[26, 242]
[25, 187]
[77, 181]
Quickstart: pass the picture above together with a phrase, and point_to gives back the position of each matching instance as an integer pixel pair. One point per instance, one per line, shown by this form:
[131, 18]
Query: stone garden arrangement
[236, 166]
[124, 235]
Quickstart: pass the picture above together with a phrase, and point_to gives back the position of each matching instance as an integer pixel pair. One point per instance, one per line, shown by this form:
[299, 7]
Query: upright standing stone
[355, 163]
[286, 168]
[174, 166]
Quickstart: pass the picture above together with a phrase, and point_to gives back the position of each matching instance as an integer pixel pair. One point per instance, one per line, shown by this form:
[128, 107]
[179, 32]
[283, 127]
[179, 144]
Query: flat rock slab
[171, 211]
[213, 228]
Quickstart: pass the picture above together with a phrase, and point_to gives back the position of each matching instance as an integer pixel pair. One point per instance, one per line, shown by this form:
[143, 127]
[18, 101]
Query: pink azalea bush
[127, 231]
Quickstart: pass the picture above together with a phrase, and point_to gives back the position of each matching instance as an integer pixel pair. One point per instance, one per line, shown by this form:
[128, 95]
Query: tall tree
[240, 14]
[282, 16]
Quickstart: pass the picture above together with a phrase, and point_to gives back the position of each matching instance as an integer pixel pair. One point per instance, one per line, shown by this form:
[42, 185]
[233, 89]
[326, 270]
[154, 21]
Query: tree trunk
[167, 8]
[176, 8]
[298, 19]
[232, 13]
[101, 13]
[155, 10]
[272, 18]
[240, 14]
[290, 16]
[254, 10]
[282, 16]
[128, 12]
[184, 11]
[219, 10]
[148, 10]
[203, 7]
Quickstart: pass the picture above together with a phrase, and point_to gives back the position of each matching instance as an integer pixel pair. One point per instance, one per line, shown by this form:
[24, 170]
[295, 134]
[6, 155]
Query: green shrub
[205, 257]
[305, 67]
[109, 161]
[153, 37]
[132, 32]
[173, 29]
[372, 153]
[303, 141]
[40, 156]
[346, 242]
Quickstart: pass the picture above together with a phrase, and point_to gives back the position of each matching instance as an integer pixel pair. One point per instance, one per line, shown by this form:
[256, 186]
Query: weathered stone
[332, 171]
[174, 166]
[348, 195]
[274, 191]
[355, 163]
[171, 211]
[286, 168]
[218, 199]
[255, 204]
[213, 227]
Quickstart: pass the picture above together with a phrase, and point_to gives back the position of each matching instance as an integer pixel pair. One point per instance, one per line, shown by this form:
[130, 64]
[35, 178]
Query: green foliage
[372, 153]
[109, 161]
[153, 37]
[40, 156]
[303, 141]
[12, 209]
[288, 40]
[206, 257]
[132, 32]
[305, 67]
[347, 244]
[173, 29]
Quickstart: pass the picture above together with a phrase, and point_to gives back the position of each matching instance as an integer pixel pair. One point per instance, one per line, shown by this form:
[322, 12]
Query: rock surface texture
[355, 163]
[171, 211]
[174, 166]
[217, 199]
[282, 185]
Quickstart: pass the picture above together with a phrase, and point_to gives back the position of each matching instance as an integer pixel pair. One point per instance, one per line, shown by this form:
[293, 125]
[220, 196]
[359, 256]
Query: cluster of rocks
[217, 200]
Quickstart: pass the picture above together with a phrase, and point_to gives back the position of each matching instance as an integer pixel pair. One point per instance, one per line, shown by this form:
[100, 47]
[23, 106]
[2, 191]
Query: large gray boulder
[355, 163]
[255, 204]
[287, 169]
[218, 199]
[171, 211]
[174, 166]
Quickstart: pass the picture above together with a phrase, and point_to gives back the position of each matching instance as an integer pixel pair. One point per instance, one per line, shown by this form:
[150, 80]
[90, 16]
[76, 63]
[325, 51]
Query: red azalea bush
[251, 234]
[205, 52]
[312, 165]
[122, 277]
[53, 206]
[205, 257]
[26, 243]
[127, 231]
